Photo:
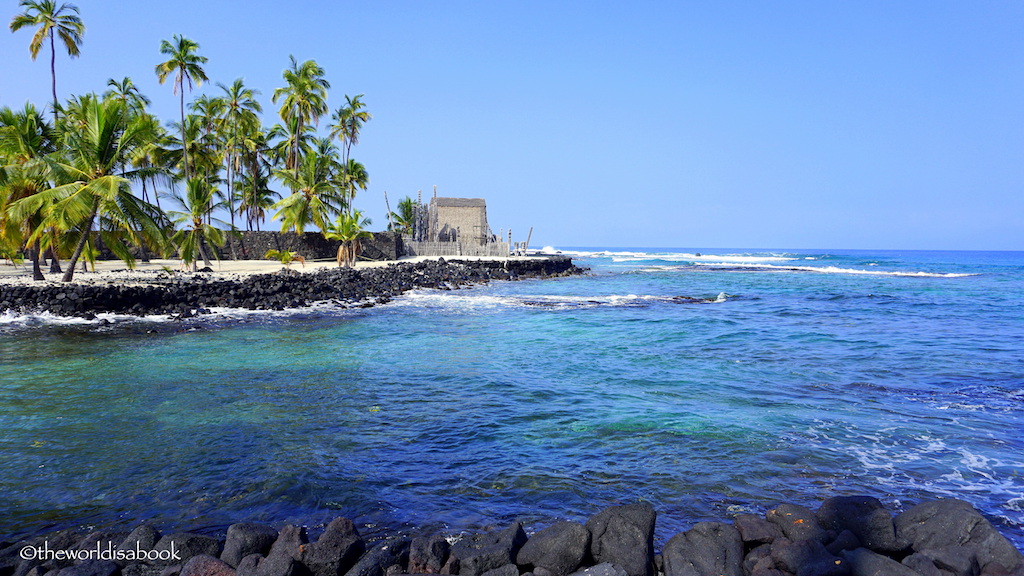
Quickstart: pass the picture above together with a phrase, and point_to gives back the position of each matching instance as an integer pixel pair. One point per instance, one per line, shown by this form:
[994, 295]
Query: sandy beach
[117, 271]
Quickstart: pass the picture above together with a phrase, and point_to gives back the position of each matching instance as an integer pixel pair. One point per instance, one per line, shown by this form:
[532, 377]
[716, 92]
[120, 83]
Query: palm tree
[25, 138]
[315, 194]
[256, 196]
[349, 230]
[354, 176]
[187, 66]
[404, 219]
[304, 101]
[53, 21]
[126, 91]
[348, 122]
[91, 172]
[198, 203]
[240, 120]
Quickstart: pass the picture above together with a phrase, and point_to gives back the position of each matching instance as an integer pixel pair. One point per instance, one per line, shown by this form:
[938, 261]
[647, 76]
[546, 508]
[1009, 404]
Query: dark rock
[141, 570]
[247, 538]
[203, 565]
[707, 549]
[172, 570]
[951, 560]
[844, 541]
[289, 543]
[797, 523]
[603, 569]
[248, 565]
[866, 517]
[940, 524]
[479, 553]
[754, 556]
[276, 564]
[428, 555]
[559, 549]
[807, 557]
[754, 529]
[106, 542]
[506, 570]
[624, 536]
[922, 565]
[179, 547]
[143, 538]
[91, 568]
[337, 550]
[761, 571]
[393, 551]
[864, 562]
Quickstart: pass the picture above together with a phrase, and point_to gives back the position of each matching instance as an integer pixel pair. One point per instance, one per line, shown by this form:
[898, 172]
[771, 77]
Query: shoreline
[846, 535]
[157, 289]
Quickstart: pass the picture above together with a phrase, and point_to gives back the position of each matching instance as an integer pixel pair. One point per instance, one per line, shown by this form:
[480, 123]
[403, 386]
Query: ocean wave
[837, 270]
[631, 256]
[15, 320]
[483, 302]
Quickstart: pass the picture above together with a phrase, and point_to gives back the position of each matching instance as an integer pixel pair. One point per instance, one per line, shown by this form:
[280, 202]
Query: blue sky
[677, 124]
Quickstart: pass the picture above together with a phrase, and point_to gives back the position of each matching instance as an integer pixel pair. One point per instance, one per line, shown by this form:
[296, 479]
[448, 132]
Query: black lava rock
[247, 538]
[479, 553]
[559, 549]
[709, 548]
[624, 536]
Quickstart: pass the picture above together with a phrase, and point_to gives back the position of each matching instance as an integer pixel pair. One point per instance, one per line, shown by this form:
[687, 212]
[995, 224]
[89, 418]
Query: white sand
[146, 272]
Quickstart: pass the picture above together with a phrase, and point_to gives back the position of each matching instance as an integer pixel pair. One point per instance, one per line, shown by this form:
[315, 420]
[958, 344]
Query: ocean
[708, 382]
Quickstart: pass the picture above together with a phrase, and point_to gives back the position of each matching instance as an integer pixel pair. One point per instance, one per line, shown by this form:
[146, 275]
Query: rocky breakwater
[190, 294]
[846, 536]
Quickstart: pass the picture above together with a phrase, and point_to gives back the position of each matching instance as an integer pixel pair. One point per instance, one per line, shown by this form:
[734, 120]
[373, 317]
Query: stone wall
[309, 245]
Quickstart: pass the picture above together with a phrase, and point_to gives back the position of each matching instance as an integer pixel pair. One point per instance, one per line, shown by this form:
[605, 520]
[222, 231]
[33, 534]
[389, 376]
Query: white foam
[8, 318]
[478, 302]
[836, 270]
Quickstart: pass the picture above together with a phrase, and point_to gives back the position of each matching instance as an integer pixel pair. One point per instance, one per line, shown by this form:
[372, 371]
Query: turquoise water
[798, 376]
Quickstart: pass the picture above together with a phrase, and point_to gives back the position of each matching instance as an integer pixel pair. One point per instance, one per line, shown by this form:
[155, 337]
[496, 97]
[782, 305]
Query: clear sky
[784, 124]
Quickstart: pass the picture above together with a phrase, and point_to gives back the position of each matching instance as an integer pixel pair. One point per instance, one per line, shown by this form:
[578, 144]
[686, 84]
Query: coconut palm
[349, 229]
[198, 203]
[240, 119]
[92, 184]
[126, 91]
[353, 177]
[52, 21]
[303, 102]
[187, 68]
[315, 196]
[256, 197]
[403, 220]
[25, 138]
[348, 122]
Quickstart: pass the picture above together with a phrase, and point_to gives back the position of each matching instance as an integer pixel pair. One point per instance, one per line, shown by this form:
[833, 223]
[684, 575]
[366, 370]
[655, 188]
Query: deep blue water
[802, 375]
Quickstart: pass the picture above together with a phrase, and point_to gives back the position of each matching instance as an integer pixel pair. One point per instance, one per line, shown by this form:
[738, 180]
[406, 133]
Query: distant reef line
[186, 295]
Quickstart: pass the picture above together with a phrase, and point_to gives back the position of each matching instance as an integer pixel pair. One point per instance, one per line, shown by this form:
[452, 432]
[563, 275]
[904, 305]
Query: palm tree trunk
[202, 252]
[53, 76]
[70, 274]
[37, 271]
[184, 145]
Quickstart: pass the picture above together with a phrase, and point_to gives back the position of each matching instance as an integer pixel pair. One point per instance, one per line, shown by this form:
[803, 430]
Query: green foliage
[404, 220]
[285, 257]
[196, 220]
[64, 183]
[349, 230]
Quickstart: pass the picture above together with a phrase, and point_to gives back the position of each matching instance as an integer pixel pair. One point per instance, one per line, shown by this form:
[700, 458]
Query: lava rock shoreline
[846, 536]
[189, 295]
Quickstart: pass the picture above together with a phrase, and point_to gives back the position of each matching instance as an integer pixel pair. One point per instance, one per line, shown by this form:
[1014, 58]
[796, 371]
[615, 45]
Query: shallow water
[795, 377]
